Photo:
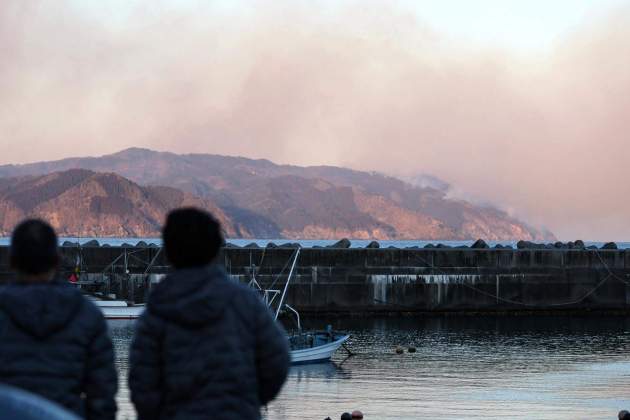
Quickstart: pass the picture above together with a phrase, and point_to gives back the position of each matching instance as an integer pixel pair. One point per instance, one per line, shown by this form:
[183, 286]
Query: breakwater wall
[385, 280]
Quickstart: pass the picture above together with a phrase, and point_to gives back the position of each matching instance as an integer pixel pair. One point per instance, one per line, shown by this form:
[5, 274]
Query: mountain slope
[269, 200]
[79, 202]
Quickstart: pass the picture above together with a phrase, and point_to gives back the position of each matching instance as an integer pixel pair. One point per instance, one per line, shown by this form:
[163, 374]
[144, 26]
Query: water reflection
[473, 367]
[320, 371]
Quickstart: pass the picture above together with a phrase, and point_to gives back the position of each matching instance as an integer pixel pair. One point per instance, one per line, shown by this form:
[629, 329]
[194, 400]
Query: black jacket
[55, 343]
[205, 348]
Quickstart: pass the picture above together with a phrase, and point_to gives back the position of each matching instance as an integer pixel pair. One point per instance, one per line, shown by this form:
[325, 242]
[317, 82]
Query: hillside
[79, 202]
[268, 200]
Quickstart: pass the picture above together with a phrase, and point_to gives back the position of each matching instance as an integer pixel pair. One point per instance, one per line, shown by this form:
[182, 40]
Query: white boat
[305, 346]
[323, 346]
[118, 309]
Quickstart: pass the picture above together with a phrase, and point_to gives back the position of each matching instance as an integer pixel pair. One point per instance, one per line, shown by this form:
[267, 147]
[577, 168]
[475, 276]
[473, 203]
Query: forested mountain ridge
[258, 198]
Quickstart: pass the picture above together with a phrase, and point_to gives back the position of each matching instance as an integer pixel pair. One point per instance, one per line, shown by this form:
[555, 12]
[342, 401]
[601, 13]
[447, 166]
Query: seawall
[357, 280]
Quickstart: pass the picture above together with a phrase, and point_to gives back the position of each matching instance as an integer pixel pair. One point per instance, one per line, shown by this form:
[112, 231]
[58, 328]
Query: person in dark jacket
[54, 342]
[206, 347]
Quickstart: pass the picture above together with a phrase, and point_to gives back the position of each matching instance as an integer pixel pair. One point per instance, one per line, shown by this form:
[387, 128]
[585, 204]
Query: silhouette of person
[206, 346]
[55, 342]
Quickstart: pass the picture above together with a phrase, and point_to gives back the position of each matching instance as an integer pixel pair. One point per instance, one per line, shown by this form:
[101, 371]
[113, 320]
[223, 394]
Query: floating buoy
[411, 349]
[399, 350]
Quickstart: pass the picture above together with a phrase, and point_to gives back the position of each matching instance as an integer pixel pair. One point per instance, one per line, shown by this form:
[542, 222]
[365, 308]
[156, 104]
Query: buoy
[399, 350]
[411, 349]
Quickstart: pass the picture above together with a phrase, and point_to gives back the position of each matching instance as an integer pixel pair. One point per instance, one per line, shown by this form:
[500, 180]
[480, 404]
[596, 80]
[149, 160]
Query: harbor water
[534, 367]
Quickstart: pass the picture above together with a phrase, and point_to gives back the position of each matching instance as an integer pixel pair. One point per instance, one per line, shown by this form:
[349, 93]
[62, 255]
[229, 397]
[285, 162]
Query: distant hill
[85, 203]
[263, 199]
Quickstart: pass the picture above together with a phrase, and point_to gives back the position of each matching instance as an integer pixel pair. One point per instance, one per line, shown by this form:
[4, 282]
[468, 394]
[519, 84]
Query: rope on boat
[350, 352]
[286, 285]
[153, 260]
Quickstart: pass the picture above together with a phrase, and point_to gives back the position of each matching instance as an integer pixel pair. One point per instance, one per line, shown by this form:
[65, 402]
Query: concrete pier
[387, 280]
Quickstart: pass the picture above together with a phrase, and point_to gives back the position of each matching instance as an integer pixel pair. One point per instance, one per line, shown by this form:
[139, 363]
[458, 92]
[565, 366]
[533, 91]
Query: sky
[524, 104]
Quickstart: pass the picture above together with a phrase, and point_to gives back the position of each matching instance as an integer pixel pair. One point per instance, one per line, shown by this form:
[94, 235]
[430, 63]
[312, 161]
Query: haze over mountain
[254, 198]
[519, 103]
[84, 203]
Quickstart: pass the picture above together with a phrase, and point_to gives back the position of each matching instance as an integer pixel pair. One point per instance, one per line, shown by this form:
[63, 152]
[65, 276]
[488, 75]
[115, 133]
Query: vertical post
[286, 285]
[497, 293]
[126, 273]
[132, 286]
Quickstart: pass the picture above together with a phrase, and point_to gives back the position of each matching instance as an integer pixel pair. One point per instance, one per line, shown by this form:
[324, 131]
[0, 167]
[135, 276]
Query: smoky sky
[542, 135]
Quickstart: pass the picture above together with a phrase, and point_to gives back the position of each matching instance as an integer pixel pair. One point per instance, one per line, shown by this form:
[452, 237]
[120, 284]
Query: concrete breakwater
[354, 280]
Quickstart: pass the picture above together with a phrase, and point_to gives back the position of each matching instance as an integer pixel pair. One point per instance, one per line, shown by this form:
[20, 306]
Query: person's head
[33, 252]
[346, 416]
[624, 415]
[356, 414]
[192, 237]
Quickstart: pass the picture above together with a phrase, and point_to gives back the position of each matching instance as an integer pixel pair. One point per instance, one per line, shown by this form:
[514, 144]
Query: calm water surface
[464, 367]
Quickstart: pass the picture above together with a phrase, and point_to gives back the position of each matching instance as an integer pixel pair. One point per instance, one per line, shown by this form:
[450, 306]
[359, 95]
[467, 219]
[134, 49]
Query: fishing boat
[305, 346]
[118, 309]
[315, 346]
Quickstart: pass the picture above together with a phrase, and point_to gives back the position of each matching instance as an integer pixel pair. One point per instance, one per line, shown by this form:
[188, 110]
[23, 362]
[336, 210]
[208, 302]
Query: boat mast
[286, 285]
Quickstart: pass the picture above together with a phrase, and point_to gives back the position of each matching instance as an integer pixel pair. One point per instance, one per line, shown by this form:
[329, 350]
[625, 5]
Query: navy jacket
[205, 348]
[55, 343]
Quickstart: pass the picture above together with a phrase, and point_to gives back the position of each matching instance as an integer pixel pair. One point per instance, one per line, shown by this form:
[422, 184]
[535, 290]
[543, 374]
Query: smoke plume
[544, 136]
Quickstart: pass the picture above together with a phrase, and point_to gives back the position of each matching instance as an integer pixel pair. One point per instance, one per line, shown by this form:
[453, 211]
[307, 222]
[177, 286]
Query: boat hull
[117, 312]
[317, 354]
[117, 309]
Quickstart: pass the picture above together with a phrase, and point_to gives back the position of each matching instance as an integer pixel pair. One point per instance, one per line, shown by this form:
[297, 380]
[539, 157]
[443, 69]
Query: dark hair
[34, 247]
[346, 416]
[192, 237]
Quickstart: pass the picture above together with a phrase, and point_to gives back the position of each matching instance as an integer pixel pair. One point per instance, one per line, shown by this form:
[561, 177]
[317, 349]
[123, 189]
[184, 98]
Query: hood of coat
[192, 296]
[40, 309]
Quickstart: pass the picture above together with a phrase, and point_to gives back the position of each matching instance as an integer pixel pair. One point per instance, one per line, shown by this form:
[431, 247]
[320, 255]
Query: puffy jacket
[205, 348]
[55, 343]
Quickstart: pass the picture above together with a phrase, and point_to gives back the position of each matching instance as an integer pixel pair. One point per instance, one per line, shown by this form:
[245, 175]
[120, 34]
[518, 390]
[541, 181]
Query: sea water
[534, 367]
